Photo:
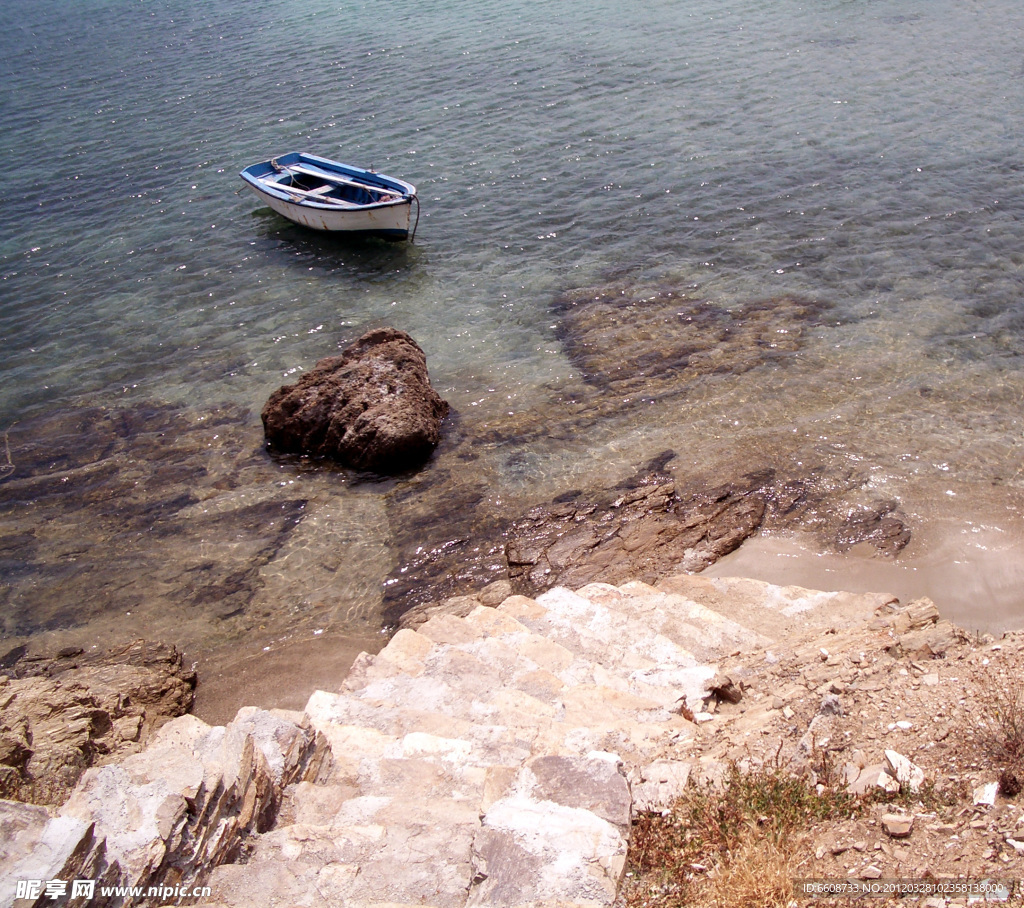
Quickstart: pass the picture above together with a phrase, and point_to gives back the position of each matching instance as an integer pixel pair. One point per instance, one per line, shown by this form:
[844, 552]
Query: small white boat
[327, 195]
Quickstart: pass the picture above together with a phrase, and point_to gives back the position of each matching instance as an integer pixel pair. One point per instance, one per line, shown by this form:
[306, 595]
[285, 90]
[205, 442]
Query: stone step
[784, 615]
[707, 634]
[622, 644]
[483, 760]
[339, 716]
[544, 668]
[558, 834]
[500, 727]
[296, 883]
[527, 643]
[553, 830]
[491, 669]
[400, 767]
[591, 629]
[404, 848]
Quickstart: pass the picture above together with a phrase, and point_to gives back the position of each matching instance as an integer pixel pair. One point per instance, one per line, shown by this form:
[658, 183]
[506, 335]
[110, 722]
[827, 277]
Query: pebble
[943, 828]
[898, 825]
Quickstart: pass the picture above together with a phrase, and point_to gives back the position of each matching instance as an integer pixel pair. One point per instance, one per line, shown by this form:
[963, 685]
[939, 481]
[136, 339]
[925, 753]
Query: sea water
[863, 154]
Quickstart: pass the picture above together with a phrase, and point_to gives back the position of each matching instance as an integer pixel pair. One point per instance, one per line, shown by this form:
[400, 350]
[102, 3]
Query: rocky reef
[643, 340]
[640, 351]
[148, 507]
[650, 525]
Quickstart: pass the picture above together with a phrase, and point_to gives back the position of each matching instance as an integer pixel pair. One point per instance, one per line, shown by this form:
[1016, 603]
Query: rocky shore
[558, 669]
[502, 757]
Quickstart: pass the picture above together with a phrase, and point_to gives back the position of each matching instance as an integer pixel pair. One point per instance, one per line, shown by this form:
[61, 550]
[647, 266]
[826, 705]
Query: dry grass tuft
[730, 845]
[1002, 731]
[759, 872]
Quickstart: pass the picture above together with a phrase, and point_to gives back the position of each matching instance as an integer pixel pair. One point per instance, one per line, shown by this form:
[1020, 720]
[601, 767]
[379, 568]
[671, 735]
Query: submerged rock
[626, 337]
[167, 513]
[370, 408]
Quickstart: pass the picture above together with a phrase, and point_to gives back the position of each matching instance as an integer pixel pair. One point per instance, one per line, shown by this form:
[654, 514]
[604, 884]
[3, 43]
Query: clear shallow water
[866, 155]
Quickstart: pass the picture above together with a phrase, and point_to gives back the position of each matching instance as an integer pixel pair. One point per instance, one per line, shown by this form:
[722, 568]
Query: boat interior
[311, 184]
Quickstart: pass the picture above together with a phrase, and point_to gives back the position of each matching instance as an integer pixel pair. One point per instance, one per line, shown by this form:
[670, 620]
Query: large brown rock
[370, 408]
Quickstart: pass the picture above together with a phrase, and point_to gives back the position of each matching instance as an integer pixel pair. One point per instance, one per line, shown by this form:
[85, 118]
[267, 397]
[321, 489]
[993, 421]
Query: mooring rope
[417, 224]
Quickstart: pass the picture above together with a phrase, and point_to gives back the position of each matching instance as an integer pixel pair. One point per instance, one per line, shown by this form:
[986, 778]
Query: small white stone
[904, 771]
[986, 794]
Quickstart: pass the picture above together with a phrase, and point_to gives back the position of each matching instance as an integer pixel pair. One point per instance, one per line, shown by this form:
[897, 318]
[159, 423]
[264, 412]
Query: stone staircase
[497, 759]
[492, 759]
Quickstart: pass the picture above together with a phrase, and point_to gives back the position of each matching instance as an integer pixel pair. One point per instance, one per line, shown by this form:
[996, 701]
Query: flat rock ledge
[61, 714]
[370, 408]
[494, 758]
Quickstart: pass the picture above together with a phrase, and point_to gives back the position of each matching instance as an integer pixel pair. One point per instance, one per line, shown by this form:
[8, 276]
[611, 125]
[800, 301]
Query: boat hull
[389, 219]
